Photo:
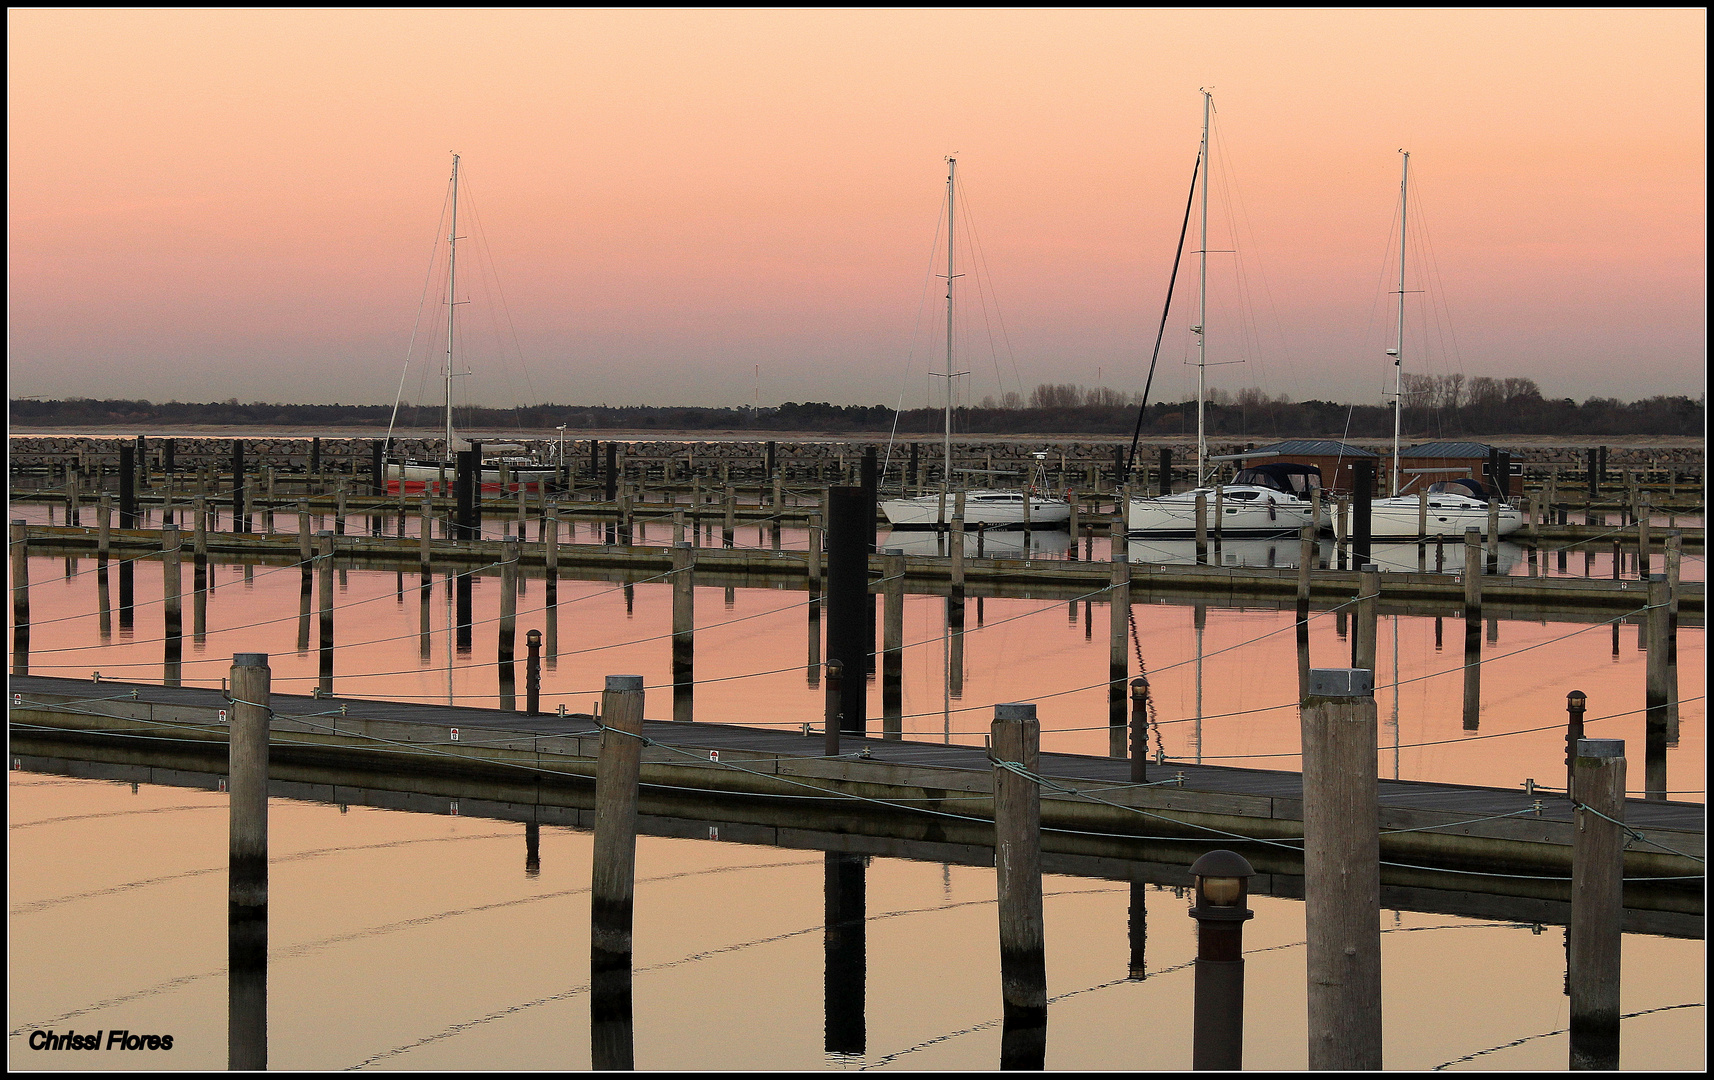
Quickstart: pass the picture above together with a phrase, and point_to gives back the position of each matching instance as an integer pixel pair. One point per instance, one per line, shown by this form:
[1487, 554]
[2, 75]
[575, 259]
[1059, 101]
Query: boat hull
[1402, 517]
[426, 476]
[1268, 514]
[993, 510]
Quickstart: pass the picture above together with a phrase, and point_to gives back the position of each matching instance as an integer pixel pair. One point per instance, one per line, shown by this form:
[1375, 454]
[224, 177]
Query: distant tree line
[1436, 406]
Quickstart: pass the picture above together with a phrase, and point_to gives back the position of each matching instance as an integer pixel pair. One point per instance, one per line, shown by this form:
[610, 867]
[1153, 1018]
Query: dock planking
[1503, 841]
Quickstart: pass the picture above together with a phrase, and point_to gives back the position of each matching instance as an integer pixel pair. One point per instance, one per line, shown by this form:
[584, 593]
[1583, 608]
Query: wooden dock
[1503, 596]
[1473, 839]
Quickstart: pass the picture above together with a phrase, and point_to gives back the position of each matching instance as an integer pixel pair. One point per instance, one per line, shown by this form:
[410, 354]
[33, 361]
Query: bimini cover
[1286, 476]
[1462, 486]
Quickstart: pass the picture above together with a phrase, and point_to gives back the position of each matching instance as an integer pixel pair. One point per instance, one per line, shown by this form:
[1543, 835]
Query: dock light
[1217, 1021]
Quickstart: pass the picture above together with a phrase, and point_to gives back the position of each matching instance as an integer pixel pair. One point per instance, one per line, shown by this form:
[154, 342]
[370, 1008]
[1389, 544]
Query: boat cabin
[1289, 477]
[1463, 486]
[1331, 459]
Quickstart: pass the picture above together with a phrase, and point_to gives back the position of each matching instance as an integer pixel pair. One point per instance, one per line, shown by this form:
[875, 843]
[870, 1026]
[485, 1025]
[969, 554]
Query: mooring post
[849, 634]
[1342, 870]
[1201, 528]
[892, 644]
[1221, 908]
[240, 511]
[1472, 629]
[324, 582]
[1674, 551]
[684, 632]
[1118, 636]
[550, 555]
[1015, 741]
[833, 708]
[508, 631]
[171, 586]
[20, 545]
[1645, 560]
[1139, 730]
[247, 864]
[613, 875]
[1493, 537]
[1166, 472]
[1656, 619]
[729, 521]
[1575, 703]
[1306, 558]
[1368, 617]
[339, 506]
[533, 673]
[1594, 937]
[104, 529]
[127, 487]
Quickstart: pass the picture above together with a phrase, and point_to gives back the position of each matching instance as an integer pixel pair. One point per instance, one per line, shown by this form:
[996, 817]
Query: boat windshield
[1289, 477]
[1466, 487]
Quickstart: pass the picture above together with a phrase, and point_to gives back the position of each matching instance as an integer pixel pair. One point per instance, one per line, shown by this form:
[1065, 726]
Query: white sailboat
[994, 508]
[1268, 500]
[504, 465]
[1448, 507]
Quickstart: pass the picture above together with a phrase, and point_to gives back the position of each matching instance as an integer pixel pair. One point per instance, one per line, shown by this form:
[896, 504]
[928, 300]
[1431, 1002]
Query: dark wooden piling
[1139, 742]
[240, 512]
[507, 638]
[1118, 640]
[247, 864]
[848, 629]
[127, 487]
[684, 632]
[1306, 559]
[1593, 939]
[1655, 689]
[892, 644]
[172, 614]
[1363, 641]
[19, 543]
[467, 485]
[1472, 629]
[1360, 511]
[324, 566]
[613, 874]
[1341, 870]
[1166, 472]
[1015, 742]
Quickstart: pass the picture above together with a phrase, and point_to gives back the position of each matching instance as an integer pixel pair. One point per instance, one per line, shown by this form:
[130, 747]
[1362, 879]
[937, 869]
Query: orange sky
[212, 204]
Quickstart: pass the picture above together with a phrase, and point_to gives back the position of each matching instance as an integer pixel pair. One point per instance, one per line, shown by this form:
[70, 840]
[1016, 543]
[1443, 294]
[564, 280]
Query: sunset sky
[723, 207]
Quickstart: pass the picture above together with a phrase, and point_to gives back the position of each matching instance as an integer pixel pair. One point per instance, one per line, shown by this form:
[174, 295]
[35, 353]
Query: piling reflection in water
[845, 953]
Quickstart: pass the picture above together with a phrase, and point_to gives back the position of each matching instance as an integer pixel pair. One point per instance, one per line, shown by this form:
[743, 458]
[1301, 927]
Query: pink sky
[213, 204]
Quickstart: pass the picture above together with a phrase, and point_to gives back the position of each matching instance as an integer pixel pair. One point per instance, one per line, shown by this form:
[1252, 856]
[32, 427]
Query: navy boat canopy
[1462, 486]
[1286, 476]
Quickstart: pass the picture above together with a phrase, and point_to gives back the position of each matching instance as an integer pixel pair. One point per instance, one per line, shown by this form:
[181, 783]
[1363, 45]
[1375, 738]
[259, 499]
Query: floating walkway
[1446, 836]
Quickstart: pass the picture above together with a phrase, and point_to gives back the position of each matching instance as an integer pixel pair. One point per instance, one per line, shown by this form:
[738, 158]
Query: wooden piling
[1201, 528]
[849, 637]
[1015, 741]
[171, 585]
[684, 632]
[324, 543]
[1368, 617]
[20, 550]
[613, 874]
[1472, 629]
[1594, 938]
[1655, 626]
[892, 644]
[1341, 870]
[1118, 638]
[247, 864]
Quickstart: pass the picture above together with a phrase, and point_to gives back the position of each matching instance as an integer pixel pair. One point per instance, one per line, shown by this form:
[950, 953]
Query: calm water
[403, 940]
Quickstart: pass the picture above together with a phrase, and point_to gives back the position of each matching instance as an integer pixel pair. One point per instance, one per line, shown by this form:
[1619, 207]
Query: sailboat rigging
[1267, 500]
[981, 507]
[1447, 507]
[503, 464]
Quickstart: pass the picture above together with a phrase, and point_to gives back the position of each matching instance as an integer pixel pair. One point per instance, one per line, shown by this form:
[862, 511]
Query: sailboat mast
[1399, 335]
[1202, 311]
[951, 217]
[451, 301]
